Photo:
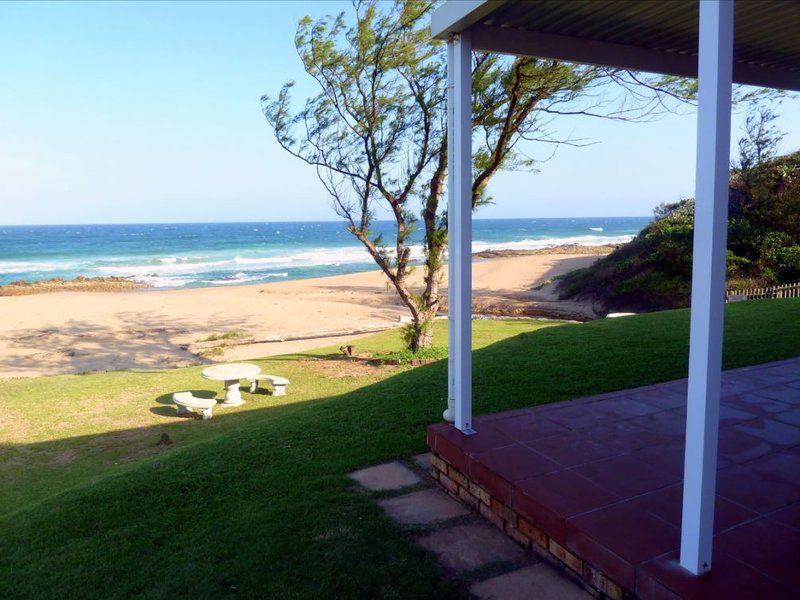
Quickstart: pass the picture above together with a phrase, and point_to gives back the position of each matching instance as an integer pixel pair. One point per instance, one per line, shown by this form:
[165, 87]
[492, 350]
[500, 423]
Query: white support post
[708, 282]
[450, 412]
[460, 231]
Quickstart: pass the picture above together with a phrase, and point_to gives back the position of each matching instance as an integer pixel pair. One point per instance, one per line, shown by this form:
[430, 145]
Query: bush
[785, 263]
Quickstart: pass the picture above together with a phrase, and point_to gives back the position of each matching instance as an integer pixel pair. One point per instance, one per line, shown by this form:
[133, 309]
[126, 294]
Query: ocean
[221, 254]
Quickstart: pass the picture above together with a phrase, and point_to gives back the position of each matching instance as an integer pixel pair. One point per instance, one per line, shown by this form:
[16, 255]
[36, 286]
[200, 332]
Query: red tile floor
[603, 477]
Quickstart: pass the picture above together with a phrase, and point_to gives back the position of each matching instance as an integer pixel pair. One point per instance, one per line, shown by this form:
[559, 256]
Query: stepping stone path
[387, 477]
[465, 545]
[423, 508]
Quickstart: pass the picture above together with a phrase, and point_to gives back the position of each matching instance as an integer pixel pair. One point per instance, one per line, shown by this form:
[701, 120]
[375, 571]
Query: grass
[212, 352]
[405, 356]
[255, 502]
[228, 335]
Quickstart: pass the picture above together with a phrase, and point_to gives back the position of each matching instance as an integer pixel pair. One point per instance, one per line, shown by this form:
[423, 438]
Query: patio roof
[648, 35]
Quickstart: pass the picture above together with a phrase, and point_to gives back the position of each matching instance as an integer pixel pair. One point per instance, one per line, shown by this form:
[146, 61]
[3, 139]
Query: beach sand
[73, 332]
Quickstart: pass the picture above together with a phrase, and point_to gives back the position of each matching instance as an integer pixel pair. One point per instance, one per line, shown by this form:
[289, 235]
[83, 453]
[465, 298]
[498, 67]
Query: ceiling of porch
[648, 35]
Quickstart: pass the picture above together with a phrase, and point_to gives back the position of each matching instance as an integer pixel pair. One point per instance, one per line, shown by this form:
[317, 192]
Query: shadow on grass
[544, 365]
[268, 487]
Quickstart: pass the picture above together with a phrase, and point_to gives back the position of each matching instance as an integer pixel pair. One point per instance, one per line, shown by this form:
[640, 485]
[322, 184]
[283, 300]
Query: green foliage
[406, 356]
[784, 263]
[653, 271]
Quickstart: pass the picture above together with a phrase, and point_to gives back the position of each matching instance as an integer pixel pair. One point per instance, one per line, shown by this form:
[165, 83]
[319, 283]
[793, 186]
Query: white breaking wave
[175, 268]
[242, 278]
[10, 267]
[245, 268]
[179, 271]
[160, 282]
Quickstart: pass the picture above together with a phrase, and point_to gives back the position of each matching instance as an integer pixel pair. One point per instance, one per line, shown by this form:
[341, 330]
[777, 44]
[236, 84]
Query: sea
[223, 254]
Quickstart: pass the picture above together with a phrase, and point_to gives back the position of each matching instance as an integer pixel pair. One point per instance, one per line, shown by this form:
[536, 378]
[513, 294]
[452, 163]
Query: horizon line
[299, 221]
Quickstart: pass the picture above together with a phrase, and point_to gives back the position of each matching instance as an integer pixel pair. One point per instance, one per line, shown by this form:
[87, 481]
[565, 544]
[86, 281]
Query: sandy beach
[73, 332]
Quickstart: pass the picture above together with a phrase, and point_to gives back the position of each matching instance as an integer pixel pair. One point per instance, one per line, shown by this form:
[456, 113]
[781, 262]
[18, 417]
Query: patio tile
[784, 393]
[497, 469]
[385, 477]
[768, 546]
[423, 507]
[758, 405]
[666, 458]
[730, 414]
[456, 448]
[572, 449]
[739, 446]
[755, 488]
[617, 538]
[622, 408]
[789, 515]
[784, 466]
[626, 475]
[630, 435]
[772, 431]
[773, 375]
[733, 383]
[576, 417]
[792, 417]
[539, 581]
[548, 500]
[667, 504]
[528, 427]
[662, 397]
[677, 385]
[668, 422]
[609, 490]
[465, 548]
[664, 579]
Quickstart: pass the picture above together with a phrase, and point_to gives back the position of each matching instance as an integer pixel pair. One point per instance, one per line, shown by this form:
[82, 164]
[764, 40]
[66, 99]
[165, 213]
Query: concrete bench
[278, 384]
[186, 403]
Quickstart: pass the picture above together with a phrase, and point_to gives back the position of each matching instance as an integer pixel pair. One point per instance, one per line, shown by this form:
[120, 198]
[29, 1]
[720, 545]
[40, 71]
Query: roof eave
[453, 17]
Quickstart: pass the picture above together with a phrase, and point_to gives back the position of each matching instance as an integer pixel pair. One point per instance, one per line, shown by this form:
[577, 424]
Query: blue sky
[150, 112]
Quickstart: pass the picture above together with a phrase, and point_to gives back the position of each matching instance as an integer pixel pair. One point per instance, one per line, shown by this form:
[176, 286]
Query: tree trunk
[421, 334]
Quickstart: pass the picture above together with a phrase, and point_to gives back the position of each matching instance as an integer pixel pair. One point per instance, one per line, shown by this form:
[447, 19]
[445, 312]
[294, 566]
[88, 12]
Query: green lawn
[255, 502]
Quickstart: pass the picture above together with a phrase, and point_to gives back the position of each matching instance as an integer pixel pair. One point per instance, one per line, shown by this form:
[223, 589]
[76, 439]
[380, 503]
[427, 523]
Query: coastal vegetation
[256, 502]
[78, 284]
[376, 132]
[653, 271]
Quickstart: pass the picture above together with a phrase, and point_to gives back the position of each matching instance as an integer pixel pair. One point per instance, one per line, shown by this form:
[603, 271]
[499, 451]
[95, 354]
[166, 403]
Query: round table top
[231, 371]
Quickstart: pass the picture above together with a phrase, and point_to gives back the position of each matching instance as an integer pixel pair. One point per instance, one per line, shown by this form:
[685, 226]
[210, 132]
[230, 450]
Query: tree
[376, 131]
[760, 140]
[765, 187]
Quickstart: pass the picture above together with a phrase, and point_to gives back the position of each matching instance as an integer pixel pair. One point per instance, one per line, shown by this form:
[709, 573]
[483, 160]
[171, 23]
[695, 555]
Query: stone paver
[423, 507]
[465, 548]
[462, 546]
[422, 460]
[540, 581]
[386, 477]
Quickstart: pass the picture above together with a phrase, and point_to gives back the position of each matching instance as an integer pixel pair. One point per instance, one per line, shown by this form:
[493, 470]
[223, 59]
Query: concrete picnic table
[231, 374]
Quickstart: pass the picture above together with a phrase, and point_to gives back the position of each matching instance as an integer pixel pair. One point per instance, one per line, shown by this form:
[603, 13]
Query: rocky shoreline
[563, 249]
[118, 284]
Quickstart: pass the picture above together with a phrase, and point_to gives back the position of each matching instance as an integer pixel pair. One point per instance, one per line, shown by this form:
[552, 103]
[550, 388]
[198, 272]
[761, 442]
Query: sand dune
[71, 332]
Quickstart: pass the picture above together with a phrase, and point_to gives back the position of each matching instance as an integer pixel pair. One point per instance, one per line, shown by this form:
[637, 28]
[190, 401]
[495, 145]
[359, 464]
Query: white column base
[233, 397]
[449, 413]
